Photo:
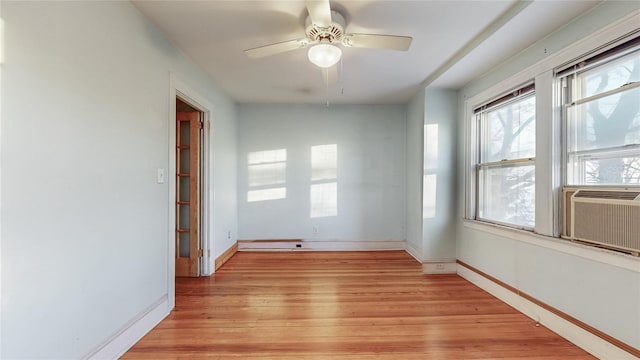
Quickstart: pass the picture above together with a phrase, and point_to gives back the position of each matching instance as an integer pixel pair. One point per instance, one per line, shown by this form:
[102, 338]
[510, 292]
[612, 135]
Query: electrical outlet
[440, 267]
[315, 230]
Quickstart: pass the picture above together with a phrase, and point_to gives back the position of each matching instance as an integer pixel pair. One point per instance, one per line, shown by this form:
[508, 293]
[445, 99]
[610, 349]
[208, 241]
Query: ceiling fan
[324, 31]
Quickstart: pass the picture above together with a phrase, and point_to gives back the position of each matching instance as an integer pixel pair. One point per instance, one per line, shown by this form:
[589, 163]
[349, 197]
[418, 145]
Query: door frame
[179, 89]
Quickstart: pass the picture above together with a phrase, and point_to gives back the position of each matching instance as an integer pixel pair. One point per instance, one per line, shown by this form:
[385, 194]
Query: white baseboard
[121, 341]
[321, 245]
[415, 253]
[591, 343]
[447, 266]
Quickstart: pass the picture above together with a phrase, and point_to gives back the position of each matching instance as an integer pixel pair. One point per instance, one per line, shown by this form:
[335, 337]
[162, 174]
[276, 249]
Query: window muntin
[505, 175]
[603, 122]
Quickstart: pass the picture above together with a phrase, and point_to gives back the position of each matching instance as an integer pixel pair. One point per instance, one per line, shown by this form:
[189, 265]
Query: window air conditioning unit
[610, 218]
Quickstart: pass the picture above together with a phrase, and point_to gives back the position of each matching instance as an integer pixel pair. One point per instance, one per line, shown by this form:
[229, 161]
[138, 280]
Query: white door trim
[177, 88]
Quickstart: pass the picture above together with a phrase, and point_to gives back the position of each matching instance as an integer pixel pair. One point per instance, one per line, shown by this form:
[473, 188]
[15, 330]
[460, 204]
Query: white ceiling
[215, 33]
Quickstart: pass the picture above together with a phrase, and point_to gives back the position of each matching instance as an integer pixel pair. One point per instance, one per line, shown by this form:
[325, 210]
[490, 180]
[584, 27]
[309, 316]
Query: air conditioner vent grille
[606, 217]
[614, 195]
[608, 224]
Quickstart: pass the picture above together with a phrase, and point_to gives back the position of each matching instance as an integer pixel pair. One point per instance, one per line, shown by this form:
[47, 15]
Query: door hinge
[200, 253]
[201, 124]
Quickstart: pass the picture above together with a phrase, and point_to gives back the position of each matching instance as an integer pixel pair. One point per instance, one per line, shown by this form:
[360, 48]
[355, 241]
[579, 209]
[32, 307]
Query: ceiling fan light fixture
[324, 55]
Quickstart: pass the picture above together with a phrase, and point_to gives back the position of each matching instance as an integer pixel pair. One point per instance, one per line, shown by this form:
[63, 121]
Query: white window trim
[486, 165]
[604, 152]
[605, 256]
[548, 135]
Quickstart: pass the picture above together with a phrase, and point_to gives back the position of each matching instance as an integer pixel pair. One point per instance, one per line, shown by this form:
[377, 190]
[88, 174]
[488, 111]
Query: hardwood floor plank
[344, 305]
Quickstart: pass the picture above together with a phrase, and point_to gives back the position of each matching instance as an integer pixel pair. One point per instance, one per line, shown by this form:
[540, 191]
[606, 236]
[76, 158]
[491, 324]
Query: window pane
[507, 194]
[606, 122]
[600, 170]
[508, 131]
[604, 140]
[609, 76]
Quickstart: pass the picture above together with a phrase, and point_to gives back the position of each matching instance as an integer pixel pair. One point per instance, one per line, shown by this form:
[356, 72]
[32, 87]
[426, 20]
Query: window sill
[609, 257]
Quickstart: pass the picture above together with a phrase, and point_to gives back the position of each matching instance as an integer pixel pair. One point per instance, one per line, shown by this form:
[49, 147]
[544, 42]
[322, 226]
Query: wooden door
[188, 139]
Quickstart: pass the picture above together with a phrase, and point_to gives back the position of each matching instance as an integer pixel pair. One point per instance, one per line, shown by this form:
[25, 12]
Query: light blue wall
[431, 178]
[598, 293]
[415, 141]
[85, 125]
[370, 179]
[438, 227]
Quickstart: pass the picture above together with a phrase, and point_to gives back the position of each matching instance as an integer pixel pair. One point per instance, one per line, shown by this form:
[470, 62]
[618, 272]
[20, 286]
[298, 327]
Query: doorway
[189, 195]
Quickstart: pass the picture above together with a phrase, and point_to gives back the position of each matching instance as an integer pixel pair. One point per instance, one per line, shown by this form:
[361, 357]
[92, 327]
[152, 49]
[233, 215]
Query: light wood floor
[346, 305]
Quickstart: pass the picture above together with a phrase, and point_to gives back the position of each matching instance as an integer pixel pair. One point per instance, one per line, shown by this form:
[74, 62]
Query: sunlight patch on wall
[266, 194]
[267, 172]
[430, 178]
[431, 146]
[267, 156]
[324, 187]
[1, 40]
[324, 200]
[429, 187]
[324, 162]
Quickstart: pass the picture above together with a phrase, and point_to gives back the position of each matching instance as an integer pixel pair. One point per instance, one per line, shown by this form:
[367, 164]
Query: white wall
[415, 161]
[439, 194]
[85, 125]
[370, 171]
[581, 282]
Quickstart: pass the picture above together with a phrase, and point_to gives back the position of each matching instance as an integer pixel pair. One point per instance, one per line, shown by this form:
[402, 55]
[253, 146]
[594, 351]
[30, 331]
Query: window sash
[490, 178]
[484, 210]
[577, 162]
[482, 119]
[582, 158]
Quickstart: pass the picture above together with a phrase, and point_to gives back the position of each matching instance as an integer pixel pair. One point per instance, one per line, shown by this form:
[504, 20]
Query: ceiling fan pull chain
[326, 85]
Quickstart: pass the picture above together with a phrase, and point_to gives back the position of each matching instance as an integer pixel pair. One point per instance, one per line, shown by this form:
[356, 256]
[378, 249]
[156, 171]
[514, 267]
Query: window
[602, 117]
[505, 176]
[577, 132]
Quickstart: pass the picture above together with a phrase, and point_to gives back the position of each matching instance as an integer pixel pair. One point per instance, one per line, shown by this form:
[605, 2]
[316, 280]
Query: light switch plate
[160, 176]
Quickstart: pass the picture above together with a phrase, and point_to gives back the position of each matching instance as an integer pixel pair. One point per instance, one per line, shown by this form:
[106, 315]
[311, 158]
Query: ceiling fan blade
[389, 42]
[276, 48]
[330, 75]
[319, 12]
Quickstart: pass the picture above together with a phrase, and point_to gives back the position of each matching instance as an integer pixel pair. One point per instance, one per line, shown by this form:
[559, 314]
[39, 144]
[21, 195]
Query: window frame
[567, 78]
[549, 127]
[480, 114]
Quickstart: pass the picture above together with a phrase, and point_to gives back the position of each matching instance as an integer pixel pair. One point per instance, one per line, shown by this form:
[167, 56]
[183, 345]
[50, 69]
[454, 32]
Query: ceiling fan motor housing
[328, 35]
